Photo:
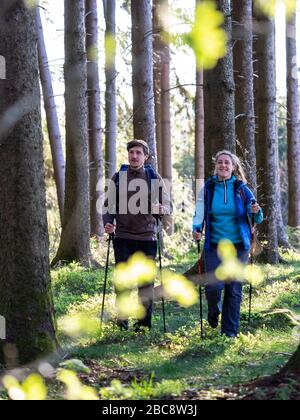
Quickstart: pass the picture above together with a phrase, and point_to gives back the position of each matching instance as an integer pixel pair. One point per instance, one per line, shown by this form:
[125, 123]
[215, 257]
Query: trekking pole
[110, 238]
[200, 287]
[160, 269]
[253, 201]
[250, 292]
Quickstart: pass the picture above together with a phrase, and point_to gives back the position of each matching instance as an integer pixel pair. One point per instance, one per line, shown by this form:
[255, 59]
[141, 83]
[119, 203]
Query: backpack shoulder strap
[124, 168]
[249, 220]
[209, 187]
[243, 195]
[151, 174]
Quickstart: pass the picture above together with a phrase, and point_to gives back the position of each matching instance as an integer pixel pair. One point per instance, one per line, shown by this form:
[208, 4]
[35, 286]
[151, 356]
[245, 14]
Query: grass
[156, 365]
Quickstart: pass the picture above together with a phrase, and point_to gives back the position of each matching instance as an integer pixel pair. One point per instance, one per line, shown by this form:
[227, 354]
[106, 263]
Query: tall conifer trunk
[244, 99]
[219, 104]
[25, 293]
[110, 91]
[75, 237]
[293, 124]
[142, 75]
[94, 119]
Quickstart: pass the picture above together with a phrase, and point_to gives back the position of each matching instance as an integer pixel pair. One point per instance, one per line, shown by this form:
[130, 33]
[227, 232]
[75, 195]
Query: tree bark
[163, 124]
[142, 75]
[52, 118]
[110, 92]
[267, 138]
[75, 237]
[25, 292]
[199, 127]
[244, 99]
[293, 124]
[157, 67]
[219, 103]
[94, 119]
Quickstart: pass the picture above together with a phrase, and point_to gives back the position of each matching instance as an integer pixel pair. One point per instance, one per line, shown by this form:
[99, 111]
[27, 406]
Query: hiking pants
[124, 249]
[230, 308]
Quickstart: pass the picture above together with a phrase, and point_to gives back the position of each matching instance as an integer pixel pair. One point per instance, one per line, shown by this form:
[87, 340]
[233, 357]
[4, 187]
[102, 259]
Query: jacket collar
[136, 171]
[228, 181]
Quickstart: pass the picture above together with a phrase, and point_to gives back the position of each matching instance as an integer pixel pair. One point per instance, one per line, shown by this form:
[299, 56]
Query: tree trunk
[94, 119]
[244, 100]
[142, 75]
[260, 146]
[110, 92]
[293, 125]
[25, 292]
[267, 138]
[219, 101]
[281, 230]
[75, 237]
[163, 125]
[157, 67]
[293, 365]
[52, 118]
[199, 127]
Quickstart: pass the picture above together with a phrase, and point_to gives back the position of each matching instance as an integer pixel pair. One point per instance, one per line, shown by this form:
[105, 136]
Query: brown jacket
[131, 207]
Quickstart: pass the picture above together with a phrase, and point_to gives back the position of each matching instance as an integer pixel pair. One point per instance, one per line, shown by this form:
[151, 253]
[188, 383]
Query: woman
[223, 209]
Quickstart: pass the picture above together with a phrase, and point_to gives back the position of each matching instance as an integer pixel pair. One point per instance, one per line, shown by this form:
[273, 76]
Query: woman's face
[224, 167]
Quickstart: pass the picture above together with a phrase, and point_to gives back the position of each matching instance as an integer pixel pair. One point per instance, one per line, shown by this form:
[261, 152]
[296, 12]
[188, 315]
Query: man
[131, 205]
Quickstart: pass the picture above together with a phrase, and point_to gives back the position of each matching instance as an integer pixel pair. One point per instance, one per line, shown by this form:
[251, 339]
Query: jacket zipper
[225, 192]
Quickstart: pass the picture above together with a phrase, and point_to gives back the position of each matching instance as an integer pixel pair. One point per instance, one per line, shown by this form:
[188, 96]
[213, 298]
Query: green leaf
[76, 365]
[207, 38]
[268, 7]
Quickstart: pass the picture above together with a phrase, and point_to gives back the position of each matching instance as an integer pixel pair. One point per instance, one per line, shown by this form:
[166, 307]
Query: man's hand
[109, 228]
[158, 209]
[197, 236]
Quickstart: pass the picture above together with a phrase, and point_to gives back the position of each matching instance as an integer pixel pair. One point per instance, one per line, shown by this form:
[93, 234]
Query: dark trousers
[231, 306]
[124, 249]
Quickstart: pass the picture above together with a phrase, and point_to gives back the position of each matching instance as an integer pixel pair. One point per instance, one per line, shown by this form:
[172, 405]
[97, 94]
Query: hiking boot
[138, 327]
[230, 335]
[122, 324]
[213, 321]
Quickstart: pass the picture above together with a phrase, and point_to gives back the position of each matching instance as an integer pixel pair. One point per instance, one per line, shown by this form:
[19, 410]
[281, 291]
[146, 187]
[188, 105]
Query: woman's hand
[255, 208]
[197, 236]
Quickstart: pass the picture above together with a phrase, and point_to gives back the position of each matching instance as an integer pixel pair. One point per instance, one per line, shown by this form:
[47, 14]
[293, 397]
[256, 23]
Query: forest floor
[179, 364]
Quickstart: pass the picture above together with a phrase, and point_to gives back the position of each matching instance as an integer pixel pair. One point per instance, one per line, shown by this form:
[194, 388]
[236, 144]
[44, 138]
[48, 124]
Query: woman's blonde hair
[238, 168]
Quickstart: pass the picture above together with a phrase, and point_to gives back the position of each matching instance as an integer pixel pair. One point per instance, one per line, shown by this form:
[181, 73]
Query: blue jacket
[242, 202]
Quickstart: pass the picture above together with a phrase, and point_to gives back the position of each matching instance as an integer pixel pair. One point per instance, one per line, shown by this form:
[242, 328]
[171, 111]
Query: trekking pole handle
[198, 230]
[253, 201]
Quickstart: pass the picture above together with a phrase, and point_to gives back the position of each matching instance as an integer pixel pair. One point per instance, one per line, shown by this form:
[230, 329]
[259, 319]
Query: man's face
[136, 157]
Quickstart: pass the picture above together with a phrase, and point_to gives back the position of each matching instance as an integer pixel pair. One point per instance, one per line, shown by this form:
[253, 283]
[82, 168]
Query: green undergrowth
[155, 364]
